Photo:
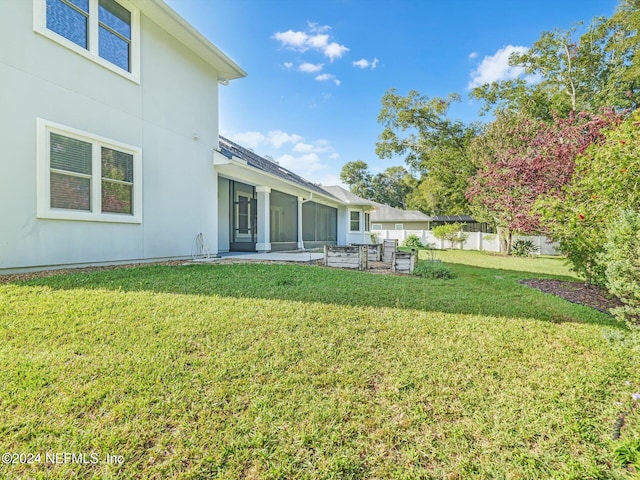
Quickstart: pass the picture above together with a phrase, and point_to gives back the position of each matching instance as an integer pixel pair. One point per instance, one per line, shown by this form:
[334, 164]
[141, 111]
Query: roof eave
[220, 160]
[162, 14]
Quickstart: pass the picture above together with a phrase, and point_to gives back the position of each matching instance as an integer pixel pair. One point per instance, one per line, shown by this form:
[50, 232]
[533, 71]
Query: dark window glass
[70, 192]
[70, 184]
[117, 197]
[70, 154]
[117, 165]
[117, 181]
[354, 221]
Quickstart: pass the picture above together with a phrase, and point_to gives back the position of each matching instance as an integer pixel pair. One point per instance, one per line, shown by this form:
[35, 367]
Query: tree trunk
[505, 238]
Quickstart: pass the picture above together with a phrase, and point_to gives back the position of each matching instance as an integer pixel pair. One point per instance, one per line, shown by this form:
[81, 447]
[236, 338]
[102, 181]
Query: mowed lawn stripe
[285, 371]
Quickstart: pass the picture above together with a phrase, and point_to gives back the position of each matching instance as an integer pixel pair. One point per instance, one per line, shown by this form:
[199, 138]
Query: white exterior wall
[177, 97]
[355, 237]
[223, 215]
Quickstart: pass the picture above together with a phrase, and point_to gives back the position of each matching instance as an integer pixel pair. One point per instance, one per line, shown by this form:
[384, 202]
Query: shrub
[412, 241]
[451, 232]
[523, 248]
[432, 269]
[622, 260]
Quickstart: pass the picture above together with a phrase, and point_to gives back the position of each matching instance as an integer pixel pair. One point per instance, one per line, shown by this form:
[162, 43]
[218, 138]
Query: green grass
[287, 371]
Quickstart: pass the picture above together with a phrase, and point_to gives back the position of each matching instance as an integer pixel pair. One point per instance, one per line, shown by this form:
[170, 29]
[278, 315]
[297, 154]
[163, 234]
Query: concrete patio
[270, 256]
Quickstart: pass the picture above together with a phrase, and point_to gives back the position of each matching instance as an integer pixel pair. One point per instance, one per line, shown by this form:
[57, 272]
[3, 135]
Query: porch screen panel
[309, 221]
[284, 217]
[331, 224]
[320, 223]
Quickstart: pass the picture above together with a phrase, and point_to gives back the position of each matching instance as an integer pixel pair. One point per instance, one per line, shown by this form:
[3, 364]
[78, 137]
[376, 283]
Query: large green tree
[568, 71]
[390, 187]
[418, 128]
[356, 175]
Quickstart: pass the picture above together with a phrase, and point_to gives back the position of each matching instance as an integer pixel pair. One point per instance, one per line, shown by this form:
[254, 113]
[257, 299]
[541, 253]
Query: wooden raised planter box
[388, 247]
[375, 250]
[355, 257]
[403, 262]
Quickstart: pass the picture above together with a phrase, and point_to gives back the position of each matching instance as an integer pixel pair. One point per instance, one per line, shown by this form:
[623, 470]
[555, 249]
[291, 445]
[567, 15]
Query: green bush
[523, 248]
[412, 241]
[452, 232]
[622, 260]
[432, 269]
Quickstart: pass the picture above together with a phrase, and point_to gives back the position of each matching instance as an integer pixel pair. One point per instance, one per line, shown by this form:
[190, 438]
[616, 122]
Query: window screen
[117, 181]
[70, 179]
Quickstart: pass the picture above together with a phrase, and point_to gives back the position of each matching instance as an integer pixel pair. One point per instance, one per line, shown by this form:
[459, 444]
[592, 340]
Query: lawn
[292, 371]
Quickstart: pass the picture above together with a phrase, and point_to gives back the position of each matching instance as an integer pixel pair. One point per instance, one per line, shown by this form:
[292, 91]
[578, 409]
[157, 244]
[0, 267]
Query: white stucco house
[111, 147]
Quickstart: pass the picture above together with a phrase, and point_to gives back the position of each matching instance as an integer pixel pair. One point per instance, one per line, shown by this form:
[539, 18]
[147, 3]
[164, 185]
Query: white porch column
[264, 217]
[300, 242]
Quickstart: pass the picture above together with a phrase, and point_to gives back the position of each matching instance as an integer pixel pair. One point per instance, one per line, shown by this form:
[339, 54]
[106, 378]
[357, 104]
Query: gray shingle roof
[453, 218]
[347, 197]
[254, 160]
[385, 213]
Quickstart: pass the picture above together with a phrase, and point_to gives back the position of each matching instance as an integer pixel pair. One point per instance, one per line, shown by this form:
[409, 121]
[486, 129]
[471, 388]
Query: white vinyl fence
[475, 240]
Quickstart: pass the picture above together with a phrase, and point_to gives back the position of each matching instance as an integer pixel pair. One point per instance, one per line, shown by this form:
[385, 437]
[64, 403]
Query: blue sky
[317, 69]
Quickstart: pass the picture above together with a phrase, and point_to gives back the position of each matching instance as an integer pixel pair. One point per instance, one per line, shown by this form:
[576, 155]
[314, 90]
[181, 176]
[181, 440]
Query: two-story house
[111, 150]
[108, 125]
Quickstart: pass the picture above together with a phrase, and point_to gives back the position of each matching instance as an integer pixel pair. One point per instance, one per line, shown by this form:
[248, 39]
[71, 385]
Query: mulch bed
[575, 292]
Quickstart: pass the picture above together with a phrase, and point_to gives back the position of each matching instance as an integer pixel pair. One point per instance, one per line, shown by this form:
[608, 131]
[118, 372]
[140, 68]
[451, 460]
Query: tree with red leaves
[520, 159]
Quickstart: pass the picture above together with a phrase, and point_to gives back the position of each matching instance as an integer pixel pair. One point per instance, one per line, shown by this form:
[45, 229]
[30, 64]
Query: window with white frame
[399, 226]
[86, 177]
[354, 221]
[367, 222]
[107, 31]
[376, 226]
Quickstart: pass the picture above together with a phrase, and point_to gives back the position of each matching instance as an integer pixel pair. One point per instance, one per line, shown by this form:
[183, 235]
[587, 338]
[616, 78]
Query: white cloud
[496, 67]
[334, 50]
[314, 38]
[364, 63]
[303, 147]
[318, 41]
[326, 77]
[277, 138]
[309, 159]
[317, 28]
[310, 67]
[248, 139]
[288, 65]
[473, 55]
[304, 165]
[318, 146]
[291, 39]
